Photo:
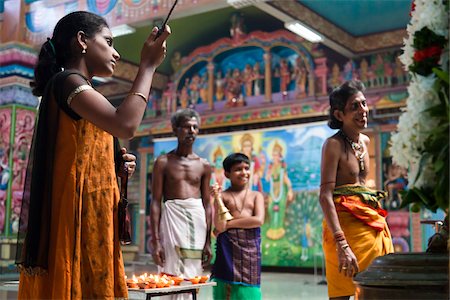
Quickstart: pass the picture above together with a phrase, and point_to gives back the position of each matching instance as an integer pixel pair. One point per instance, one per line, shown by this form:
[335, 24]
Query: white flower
[414, 123]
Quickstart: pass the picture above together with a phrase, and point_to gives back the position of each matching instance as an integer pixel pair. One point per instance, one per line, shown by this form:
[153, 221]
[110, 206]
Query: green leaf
[438, 165]
[444, 76]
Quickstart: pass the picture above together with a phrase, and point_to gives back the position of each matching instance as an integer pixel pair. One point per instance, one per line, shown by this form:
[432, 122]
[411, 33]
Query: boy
[355, 231]
[237, 269]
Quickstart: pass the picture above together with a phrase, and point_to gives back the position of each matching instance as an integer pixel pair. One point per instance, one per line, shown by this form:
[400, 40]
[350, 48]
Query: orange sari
[85, 259]
[363, 222]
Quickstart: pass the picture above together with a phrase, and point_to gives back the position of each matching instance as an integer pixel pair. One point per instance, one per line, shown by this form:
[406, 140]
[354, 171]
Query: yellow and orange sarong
[363, 222]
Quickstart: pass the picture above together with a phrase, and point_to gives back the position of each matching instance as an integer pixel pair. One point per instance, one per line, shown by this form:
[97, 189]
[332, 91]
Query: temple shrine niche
[246, 70]
[380, 70]
[261, 69]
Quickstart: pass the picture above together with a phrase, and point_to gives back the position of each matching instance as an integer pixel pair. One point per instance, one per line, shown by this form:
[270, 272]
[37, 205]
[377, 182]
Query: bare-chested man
[354, 230]
[180, 209]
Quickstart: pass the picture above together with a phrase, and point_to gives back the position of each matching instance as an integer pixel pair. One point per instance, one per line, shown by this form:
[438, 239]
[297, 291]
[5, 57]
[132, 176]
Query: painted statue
[234, 90]
[335, 79]
[257, 79]
[176, 62]
[285, 77]
[388, 71]
[203, 87]
[399, 72]
[378, 70]
[237, 30]
[194, 88]
[220, 82]
[247, 77]
[365, 72]
[300, 76]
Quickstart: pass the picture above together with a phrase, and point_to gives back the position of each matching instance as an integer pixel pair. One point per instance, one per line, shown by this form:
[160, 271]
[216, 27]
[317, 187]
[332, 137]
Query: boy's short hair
[234, 158]
[339, 97]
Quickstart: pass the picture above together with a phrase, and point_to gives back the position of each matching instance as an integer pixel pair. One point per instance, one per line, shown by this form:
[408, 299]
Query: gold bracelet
[140, 95]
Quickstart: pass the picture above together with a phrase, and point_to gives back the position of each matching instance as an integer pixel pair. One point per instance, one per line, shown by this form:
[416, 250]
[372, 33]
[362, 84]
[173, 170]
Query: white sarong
[183, 237]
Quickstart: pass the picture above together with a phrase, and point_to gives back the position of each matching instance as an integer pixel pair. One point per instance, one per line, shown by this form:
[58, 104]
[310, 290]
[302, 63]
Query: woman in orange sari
[68, 237]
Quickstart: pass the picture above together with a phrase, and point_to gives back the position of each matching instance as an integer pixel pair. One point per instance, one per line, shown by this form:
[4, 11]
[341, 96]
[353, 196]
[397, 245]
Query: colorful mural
[13, 163]
[286, 169]
[247, 70]
[22, 142]
[5, 171]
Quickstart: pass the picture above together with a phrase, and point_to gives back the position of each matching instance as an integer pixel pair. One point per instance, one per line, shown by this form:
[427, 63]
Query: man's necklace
[358, 149]
[235, 202]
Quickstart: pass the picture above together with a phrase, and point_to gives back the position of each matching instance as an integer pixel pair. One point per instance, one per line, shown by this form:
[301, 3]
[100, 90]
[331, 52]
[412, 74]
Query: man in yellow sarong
[355, 231]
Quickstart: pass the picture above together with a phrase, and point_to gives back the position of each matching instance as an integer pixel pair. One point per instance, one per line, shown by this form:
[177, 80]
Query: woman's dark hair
[184, 114]
[233, 159]
[339, 97]
[57, 51]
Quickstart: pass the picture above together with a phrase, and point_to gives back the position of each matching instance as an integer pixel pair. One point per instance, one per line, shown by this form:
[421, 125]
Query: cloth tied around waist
[363, 203]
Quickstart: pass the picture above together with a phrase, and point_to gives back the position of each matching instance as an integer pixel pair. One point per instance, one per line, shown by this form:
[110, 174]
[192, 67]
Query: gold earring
[84, 51]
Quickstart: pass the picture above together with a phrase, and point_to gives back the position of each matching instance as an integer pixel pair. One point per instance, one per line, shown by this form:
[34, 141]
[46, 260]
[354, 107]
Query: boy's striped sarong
[238, 262]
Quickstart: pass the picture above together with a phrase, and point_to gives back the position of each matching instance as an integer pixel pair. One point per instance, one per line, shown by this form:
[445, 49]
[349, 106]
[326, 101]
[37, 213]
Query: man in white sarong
[183, 236]
[180, 209]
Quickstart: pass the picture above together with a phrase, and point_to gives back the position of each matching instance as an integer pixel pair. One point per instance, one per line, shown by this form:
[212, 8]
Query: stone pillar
[17, 118]
[210, 68]
[268, 76]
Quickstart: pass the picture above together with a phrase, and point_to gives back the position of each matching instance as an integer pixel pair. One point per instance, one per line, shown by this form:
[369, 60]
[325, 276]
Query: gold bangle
[140, 95]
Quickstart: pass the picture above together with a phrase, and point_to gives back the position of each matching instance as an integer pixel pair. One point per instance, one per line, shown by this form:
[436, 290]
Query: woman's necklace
[358, 149]
[235, 202]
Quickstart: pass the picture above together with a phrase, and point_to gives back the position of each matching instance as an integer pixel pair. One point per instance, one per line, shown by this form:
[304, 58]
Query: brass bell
[223, 211]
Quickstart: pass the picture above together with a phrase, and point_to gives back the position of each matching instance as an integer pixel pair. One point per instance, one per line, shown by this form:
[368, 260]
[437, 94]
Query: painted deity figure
[220, 82]
[257, 164]
[300, 76]
[176, 61]
[167, 99]
[194, 88]
[285, 76]
[184, 94]
[203, 86]
[335, 79]
[378, 70]
[234, 88]
[218, 174]
[280, 193]
[387, 68]
[237, 30]
[350, 70]
[399, 72]
[364, 72]
[247, 77]
[257, 79]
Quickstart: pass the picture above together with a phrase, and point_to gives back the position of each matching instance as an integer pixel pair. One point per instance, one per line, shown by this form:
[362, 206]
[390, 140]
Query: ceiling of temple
[363, 17]
[351, 27]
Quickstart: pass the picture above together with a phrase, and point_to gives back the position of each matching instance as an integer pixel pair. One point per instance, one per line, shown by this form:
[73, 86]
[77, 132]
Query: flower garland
[426, 58]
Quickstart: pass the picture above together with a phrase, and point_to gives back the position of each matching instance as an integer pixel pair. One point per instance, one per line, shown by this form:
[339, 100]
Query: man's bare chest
[185, 171]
